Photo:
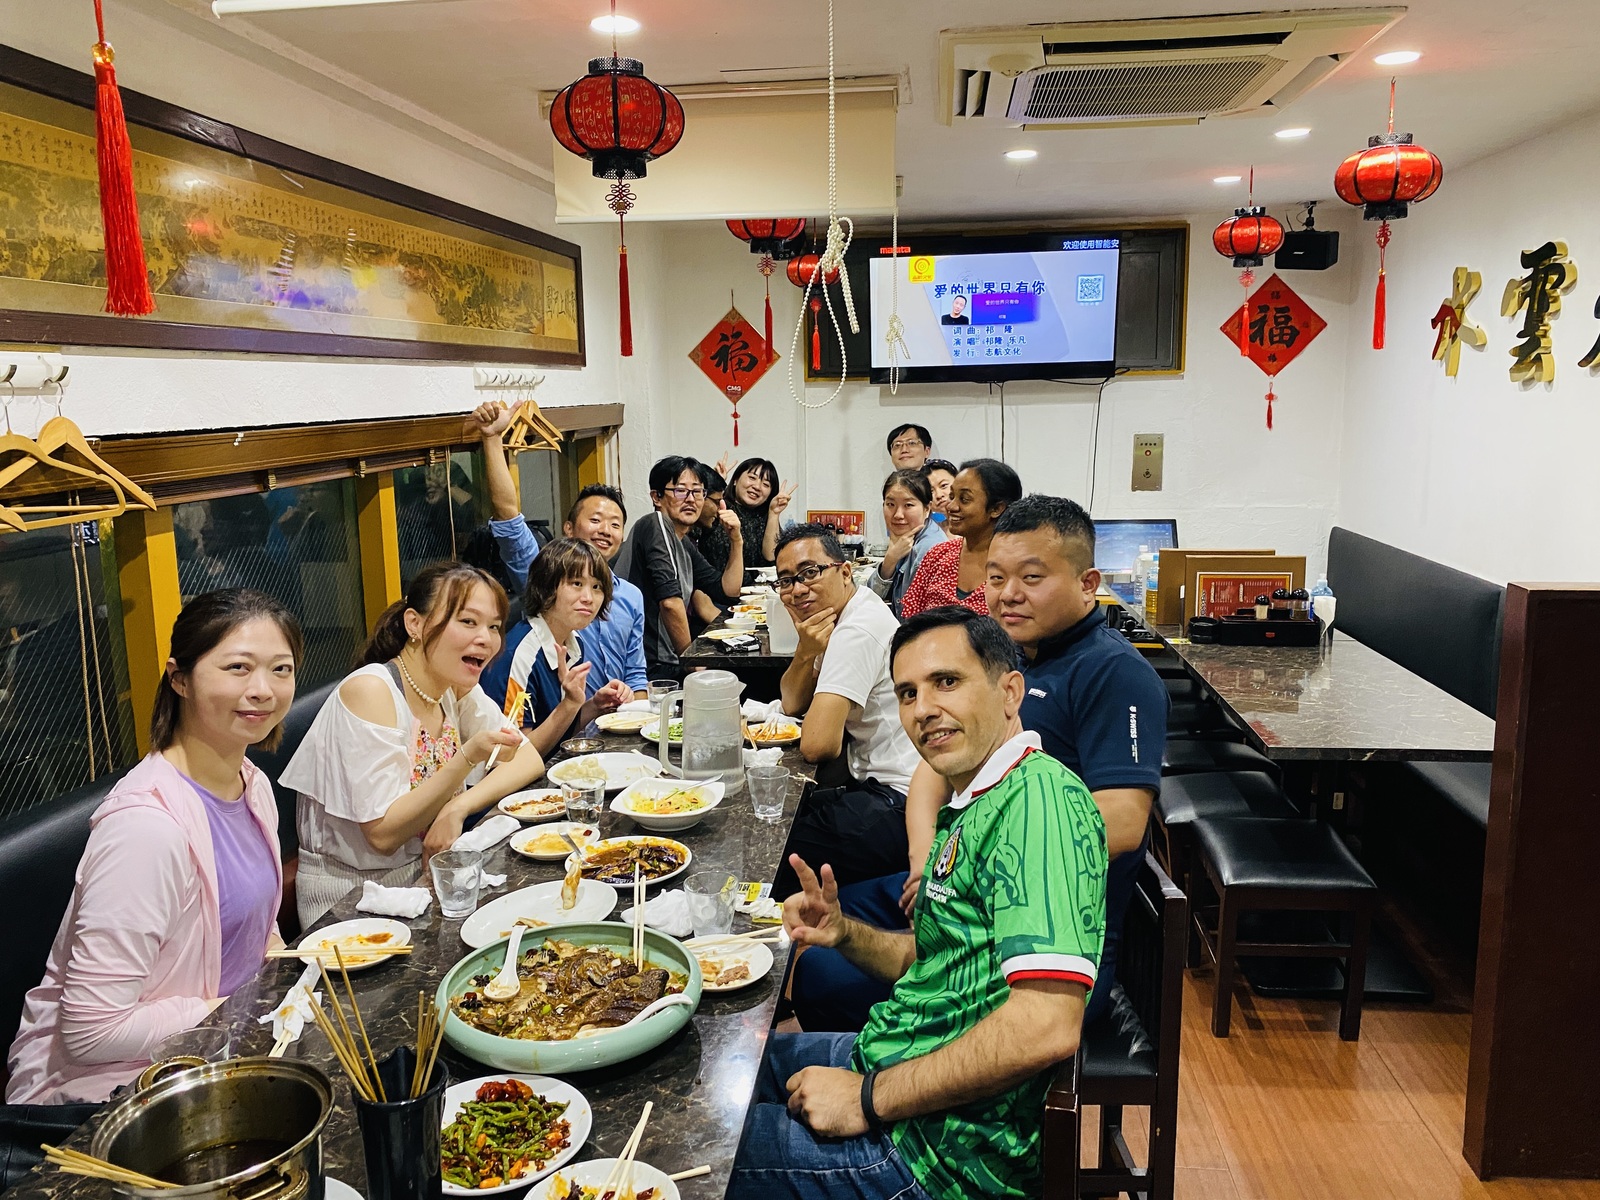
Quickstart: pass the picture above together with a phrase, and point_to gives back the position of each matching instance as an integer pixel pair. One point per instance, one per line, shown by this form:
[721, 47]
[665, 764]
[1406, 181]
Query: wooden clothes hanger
[26, 454]
[60, 434]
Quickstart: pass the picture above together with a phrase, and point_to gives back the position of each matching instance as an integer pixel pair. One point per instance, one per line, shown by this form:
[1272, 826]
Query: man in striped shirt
[942, 1094]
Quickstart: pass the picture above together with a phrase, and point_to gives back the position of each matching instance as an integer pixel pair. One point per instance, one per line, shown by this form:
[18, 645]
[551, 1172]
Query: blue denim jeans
[778, 1156]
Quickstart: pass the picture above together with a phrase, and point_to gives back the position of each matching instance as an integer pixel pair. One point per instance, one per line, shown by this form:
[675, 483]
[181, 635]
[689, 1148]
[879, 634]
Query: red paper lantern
[802, 272]
[619, 120]
[776, 237]
[1391, 174]
[1248, 237]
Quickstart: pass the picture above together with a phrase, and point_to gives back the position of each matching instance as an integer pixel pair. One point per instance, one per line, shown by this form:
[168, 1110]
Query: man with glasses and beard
[673, 575]
[839, 682]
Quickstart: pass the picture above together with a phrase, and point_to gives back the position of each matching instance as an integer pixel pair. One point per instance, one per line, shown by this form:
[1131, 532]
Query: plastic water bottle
[1150, 587]
[1323, 602]
[1141, 566]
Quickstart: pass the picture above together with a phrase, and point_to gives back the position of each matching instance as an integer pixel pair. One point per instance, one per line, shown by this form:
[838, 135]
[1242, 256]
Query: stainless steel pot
[245, 1129]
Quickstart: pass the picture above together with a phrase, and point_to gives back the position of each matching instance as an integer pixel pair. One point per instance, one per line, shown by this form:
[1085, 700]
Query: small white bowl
[713, 791]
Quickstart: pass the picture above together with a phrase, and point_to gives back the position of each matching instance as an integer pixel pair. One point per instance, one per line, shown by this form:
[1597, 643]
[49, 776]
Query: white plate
[621, 768]
[338, 1189]
[623, 722]
[542, 902]
[783, 721]
[355, 959]
[755, 955]
[520, 840]
[688, 857]
[726, 634]
[579, 1116]
[516, 798]
[593, 1174]
[652, 732]
[711, 791]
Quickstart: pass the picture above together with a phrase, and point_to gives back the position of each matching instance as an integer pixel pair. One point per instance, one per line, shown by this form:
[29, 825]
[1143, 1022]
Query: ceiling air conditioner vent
[1120, 93]
[1161, 71]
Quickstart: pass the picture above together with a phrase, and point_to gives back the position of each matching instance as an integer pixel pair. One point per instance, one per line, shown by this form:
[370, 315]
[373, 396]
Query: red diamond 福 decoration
[1281, 325]
[734, 357]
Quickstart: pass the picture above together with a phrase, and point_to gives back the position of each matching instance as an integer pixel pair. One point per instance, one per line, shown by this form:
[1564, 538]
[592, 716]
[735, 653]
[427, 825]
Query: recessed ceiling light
[1227, 179]
[1021, 155]
[610, 24]
[1297, 132]
[1396, 58]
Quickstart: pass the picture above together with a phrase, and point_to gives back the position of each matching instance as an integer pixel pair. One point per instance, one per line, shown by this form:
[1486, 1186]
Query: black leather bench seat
[1287, 855]
[1185, 799]
[1463, 784]
[1116, 1046]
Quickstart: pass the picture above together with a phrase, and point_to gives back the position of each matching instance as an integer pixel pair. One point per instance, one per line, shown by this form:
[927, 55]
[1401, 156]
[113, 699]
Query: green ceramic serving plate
[582, 1053]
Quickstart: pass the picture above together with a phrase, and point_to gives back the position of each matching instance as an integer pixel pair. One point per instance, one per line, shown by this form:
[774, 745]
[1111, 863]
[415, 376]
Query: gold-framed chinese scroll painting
[246, 255]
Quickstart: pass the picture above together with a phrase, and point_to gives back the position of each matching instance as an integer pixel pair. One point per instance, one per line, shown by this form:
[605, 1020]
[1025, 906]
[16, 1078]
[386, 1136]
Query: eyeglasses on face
[912, 444]
[806, 575]
[686, 493]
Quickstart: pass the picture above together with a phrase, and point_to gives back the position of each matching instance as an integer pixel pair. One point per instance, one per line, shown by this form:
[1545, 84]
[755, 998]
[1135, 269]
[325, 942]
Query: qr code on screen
[1091, 289]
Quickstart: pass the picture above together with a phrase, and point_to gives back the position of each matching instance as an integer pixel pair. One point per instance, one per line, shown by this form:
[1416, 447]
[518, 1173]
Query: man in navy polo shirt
[1097, 706]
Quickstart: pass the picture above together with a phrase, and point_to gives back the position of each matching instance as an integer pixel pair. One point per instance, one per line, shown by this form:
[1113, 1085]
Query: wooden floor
[1283, 1110]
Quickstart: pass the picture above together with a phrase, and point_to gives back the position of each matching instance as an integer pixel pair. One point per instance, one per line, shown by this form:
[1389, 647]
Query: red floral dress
[934, 584]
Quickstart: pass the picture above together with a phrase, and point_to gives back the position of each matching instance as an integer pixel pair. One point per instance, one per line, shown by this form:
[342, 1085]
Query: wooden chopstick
[76, 1162]
[625, 1160]
[361, 1025]
[344, 1027]
[356, 1074]
[691, 1173]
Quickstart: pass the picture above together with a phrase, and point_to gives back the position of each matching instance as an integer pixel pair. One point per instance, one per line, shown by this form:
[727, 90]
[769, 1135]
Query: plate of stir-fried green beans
[505, 1131]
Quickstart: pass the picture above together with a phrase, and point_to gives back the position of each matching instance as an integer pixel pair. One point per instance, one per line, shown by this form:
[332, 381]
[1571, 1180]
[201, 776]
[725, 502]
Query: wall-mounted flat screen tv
[991, 309]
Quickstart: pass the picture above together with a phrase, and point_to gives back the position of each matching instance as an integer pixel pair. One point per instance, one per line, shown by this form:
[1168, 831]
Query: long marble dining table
[701, 1080]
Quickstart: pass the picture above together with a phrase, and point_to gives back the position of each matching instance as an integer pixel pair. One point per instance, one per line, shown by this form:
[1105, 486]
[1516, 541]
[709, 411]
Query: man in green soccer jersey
[941, 1096]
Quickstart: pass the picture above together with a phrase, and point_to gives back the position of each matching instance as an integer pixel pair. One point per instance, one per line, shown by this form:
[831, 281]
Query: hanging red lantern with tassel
[775, 239]
[1392, 173]
[619, 120]
[1248, 237]
[801, 272]
[127, 279]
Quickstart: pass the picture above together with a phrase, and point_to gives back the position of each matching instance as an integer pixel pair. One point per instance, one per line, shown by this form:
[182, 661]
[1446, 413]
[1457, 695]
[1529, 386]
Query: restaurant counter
[701, 1080]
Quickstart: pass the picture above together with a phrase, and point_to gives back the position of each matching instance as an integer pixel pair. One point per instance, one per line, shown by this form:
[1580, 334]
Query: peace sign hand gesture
[780, 498]
[812, 916]
[574, 680]
[724, 465]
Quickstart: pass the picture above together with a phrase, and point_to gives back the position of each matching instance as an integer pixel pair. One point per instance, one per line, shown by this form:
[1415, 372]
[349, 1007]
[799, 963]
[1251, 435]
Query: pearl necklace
[400, 661]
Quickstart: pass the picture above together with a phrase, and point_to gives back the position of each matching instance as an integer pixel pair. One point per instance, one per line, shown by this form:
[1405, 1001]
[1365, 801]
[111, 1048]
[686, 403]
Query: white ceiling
[1492, 72]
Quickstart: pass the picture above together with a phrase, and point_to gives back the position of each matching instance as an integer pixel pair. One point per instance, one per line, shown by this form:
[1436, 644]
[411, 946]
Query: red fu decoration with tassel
[1248, 237]
[775, 239]
[1389, 175]
[619, 120]
[127, 280]
[801, 272]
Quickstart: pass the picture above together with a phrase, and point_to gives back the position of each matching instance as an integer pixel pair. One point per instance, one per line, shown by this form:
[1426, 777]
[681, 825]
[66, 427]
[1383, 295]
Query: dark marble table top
[761, 670]
[700, 1081]
[1342, 702]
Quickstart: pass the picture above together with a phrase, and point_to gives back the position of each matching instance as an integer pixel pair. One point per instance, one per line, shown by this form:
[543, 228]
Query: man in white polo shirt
[839, 682]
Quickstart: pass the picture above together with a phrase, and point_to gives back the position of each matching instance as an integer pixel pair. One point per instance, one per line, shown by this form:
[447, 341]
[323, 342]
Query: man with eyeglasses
[840, 683]
[673, 575]
[909, 447]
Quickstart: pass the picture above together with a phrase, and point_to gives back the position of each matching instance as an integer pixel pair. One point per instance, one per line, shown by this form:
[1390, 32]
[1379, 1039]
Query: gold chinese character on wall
[1539, 292]
[1452, 324]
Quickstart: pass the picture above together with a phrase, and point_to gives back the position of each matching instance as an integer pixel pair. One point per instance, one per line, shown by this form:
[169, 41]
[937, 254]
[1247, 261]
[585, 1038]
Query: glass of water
[658, 689]
[710, 896]
[207, 1045]
[456, 877]
[768, 784]
[585, 801]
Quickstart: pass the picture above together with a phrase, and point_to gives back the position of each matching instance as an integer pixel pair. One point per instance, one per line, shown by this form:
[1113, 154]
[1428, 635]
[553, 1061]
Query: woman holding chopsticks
[569, 588]
[177, 893]
[389, 770]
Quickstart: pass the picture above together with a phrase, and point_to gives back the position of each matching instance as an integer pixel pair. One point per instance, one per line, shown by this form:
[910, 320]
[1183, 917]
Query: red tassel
[816, 348]
[1246, 278]
[127, 280]
[625, 318]
[1380, 301]
[736, 427]
[772, 352]
[1270, 399]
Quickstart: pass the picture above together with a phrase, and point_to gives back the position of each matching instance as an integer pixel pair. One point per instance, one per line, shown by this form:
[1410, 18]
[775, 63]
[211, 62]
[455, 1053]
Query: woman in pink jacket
[177, 893]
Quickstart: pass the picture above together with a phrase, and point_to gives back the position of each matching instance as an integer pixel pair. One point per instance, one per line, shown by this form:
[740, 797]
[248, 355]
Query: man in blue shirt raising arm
[615, 645]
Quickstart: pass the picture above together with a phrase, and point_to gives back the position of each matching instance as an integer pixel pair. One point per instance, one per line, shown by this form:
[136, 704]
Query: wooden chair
[1128, 1057]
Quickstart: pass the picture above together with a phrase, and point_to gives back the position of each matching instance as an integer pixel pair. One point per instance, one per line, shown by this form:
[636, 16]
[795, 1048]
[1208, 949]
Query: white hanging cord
[896, 335]
[840, 232]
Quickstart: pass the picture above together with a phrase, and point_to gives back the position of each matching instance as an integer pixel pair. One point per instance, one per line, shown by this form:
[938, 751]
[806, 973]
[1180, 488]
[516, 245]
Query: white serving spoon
[507, 985]
[655, 1006]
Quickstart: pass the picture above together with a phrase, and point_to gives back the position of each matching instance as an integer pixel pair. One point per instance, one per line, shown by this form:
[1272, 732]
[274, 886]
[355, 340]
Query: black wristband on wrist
[874, 1122]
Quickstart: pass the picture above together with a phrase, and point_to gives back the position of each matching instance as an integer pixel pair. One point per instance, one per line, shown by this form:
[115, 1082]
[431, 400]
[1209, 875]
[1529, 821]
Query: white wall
[120, 391]
[1228, 480]
[1477, 471]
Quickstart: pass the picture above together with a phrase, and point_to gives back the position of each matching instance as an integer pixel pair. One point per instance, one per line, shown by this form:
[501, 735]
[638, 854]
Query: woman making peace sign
[569, 588]
[758, 502]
